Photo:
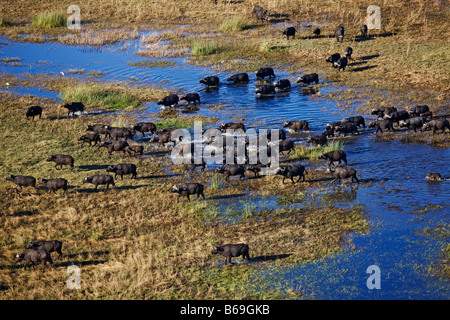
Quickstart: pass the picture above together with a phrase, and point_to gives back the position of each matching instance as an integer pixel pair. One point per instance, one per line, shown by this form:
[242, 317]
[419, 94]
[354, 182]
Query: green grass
[311, 153]
[234, 24]
[4, 22]
[50, 20]
[98, 96]
[204, 47]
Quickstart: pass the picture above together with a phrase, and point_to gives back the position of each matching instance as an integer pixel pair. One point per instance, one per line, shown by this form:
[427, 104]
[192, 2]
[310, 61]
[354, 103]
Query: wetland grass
[50, 20]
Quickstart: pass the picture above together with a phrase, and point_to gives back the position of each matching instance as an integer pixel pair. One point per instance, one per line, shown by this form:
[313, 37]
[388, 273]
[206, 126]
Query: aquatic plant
[204, 47]
[50, 19]
[311, 153]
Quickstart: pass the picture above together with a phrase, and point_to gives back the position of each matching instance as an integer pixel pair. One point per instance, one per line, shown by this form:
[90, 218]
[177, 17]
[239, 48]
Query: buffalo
[169, 101]
[316, 32]
[364, 30]
[286, 145]
[412, 123]
[33, 111]
[348, 53]
[118, 132]
[191, 97]
[232, 250]
[123, 168]
[358, 120]
[100, 179]
[22, 181]
[239, 78]
[134, 150]
[33, 257]
[383, 111]
[380, 125]
[318, 140]
[265, 72]
[341, 64]
[144, 127]
[232, 170]
[282, 85]
[334, 156]
[89, 138]
[309, 78]
[346, 172]
[265, 89]
[99, 129]
[333, 58]
[61, 159]
[397, 116]
[289, 32]
[232, 125]
[339, 33]
[290, 172]
[419, 110]
[55, 184]
[437, 124]
[113, 145]
[187, 189]
[296, 126]
[346, 127]
[73, 107]
[210, 81]
[47, 245]
[162, 139]
[260, 13]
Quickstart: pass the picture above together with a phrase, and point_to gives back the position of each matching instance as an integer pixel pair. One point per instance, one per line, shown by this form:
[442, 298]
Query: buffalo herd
[117, 139]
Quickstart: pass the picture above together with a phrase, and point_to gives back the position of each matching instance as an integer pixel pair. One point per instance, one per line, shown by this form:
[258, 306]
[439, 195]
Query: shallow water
[395, 196]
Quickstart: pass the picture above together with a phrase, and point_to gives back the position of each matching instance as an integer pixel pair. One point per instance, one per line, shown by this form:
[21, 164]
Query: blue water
[394, 193]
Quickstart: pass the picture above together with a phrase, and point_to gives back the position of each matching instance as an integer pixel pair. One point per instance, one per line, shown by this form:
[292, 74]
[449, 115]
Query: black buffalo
[380, 125]
[144, 127]
[339, 33]
[289, 32]
[333, 58]
[33, 257]
[260, 13]
[73, 107]
[187, 189]
[61, 159]
[169, 101]
[229, 170]
[99, 129]
[282, 85]
[412, 123]
[334, 156]
[346, 172]
[309, 78]
[358, 120]
[364, 30]
[100, 179]
[191, 97]
[341, 63]
[210, 81]
[114, 145]
[47, 245]
[33, 111]
[239, 78]
[232, 250]
[22, 181]
[123, 168]
[318, 140]
[296, 126]
[265, 89]
[348, 53]
[55, 184]
[89, 138]
[437, 124]
[265, 72]
[290, 172]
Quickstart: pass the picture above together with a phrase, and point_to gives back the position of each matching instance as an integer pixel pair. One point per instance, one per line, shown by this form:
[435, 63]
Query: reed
[50, 19]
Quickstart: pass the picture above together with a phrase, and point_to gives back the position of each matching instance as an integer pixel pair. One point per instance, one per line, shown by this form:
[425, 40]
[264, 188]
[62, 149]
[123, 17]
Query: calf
[412, 123]
[191, 97]
[101, 179]
[134, 150]
[114, 146]
[265, 72]
[437, 124]
[33, 111]
[210, 81]
[123, 168]
[282, 85]
[187, 189]
[296, 126]
[73, 107]
[346, 172]
[318, 140]
[265, 89]
[33, 257]
[55, 184]
[89, 138]
[22, 181]
[60, 160]
[169, 101]
[144, 127]
[309, 78]
[239, 78]
[339, 33]
[47, 245]
[255, 168]
[334, 156]
[381, 125]
[232, 250]
[260, 13]
[289, 32]
[232, 170]
[341, 64]
[292, 171]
